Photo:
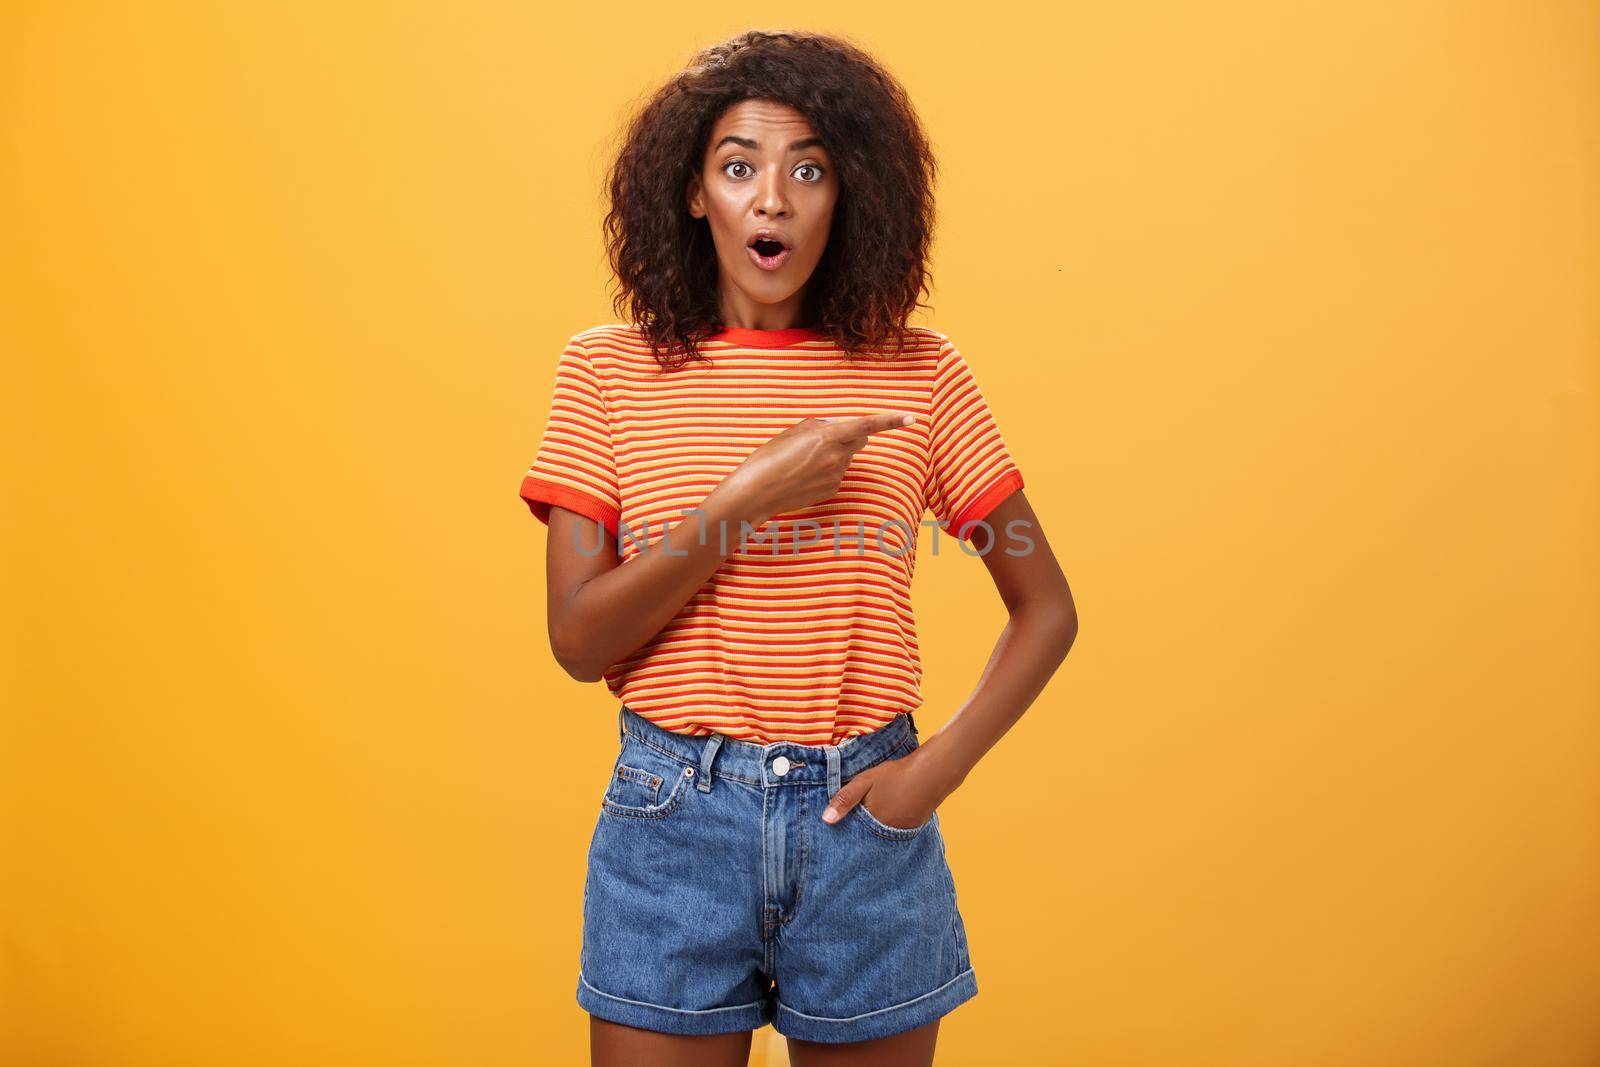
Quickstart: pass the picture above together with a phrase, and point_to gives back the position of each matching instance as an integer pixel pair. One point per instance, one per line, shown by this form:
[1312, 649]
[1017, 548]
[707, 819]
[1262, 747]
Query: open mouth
[768, 252]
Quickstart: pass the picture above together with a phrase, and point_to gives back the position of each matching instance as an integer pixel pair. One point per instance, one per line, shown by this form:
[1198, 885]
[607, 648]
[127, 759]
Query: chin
[765, 291]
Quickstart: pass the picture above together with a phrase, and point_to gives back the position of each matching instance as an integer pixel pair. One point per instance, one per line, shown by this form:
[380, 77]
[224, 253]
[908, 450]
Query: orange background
[1288, 312]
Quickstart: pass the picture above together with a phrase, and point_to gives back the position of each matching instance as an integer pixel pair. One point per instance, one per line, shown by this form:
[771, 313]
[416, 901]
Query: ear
[692, 197]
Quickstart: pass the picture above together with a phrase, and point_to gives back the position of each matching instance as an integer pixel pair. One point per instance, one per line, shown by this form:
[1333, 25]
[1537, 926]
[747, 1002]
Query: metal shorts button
[780, 766]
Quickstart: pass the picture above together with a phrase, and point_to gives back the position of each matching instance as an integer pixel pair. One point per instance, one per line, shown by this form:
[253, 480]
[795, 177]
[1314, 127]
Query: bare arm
[1042, 627]
[600, 612]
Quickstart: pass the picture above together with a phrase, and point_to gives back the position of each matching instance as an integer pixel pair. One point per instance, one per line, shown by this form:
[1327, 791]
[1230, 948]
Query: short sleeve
[574, 466]
[971, 469]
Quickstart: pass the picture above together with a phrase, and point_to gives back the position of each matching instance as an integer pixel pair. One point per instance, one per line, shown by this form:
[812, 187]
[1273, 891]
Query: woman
[758, 446]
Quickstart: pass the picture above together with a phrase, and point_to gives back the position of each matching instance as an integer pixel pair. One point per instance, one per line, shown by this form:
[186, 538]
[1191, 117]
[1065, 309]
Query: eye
[810, 166]
[735, 163]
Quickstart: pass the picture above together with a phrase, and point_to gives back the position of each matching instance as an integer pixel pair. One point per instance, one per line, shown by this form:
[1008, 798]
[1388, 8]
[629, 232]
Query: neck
[739, 312]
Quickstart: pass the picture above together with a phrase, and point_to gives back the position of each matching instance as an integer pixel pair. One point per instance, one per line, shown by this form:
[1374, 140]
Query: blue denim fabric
[718, 900]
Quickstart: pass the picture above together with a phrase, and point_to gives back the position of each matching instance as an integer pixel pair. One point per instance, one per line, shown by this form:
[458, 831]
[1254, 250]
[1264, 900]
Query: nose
[770, 200]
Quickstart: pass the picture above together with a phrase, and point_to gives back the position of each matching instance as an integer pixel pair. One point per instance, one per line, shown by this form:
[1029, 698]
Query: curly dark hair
[874, 268]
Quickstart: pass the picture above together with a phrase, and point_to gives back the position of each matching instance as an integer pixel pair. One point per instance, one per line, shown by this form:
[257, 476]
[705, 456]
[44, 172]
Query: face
[767, 189]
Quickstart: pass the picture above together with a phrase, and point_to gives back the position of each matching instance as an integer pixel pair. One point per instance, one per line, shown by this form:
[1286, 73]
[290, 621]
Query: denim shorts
[718, 900]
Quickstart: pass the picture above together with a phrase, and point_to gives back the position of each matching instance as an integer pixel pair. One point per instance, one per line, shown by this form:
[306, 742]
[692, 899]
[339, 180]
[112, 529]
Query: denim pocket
[877, 826]
[893, 833]
[646, 784]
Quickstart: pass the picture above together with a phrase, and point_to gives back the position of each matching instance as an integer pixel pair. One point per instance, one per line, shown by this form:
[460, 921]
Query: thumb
[846, 798]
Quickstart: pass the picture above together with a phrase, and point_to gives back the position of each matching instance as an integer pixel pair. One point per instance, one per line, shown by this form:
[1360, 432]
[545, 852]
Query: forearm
[1035, 641]
[614, 614]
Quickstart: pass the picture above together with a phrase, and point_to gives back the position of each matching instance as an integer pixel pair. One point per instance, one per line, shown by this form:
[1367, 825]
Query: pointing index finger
[878, 421]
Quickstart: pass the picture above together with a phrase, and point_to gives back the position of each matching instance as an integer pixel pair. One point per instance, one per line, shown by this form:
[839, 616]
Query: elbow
[1052, 624]
[576, 657]
[584, 672]
[1064, 622]
[1069, 632]
[581, 670]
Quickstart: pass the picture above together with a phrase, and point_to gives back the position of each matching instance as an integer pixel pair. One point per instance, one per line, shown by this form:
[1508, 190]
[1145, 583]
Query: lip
[768, 262]
[774, 234]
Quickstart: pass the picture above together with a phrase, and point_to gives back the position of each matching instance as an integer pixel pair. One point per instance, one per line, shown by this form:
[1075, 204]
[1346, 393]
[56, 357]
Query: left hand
[903, 796]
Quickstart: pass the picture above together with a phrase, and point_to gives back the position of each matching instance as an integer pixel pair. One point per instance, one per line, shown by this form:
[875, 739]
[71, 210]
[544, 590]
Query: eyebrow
[751, 143]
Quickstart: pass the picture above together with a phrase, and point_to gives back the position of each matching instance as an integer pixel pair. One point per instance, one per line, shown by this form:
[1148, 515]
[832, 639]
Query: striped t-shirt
[807, 635]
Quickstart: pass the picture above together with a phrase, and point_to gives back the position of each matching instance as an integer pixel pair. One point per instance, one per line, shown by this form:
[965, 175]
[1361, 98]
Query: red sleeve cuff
[965, 523]
[540, 494]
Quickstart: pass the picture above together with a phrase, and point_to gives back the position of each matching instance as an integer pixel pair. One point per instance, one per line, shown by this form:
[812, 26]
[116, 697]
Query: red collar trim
[768, 338]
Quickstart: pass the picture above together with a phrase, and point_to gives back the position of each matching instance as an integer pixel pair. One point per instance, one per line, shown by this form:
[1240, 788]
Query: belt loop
[832, 753]
[912, 719]
[707, 754]
[622, 723]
